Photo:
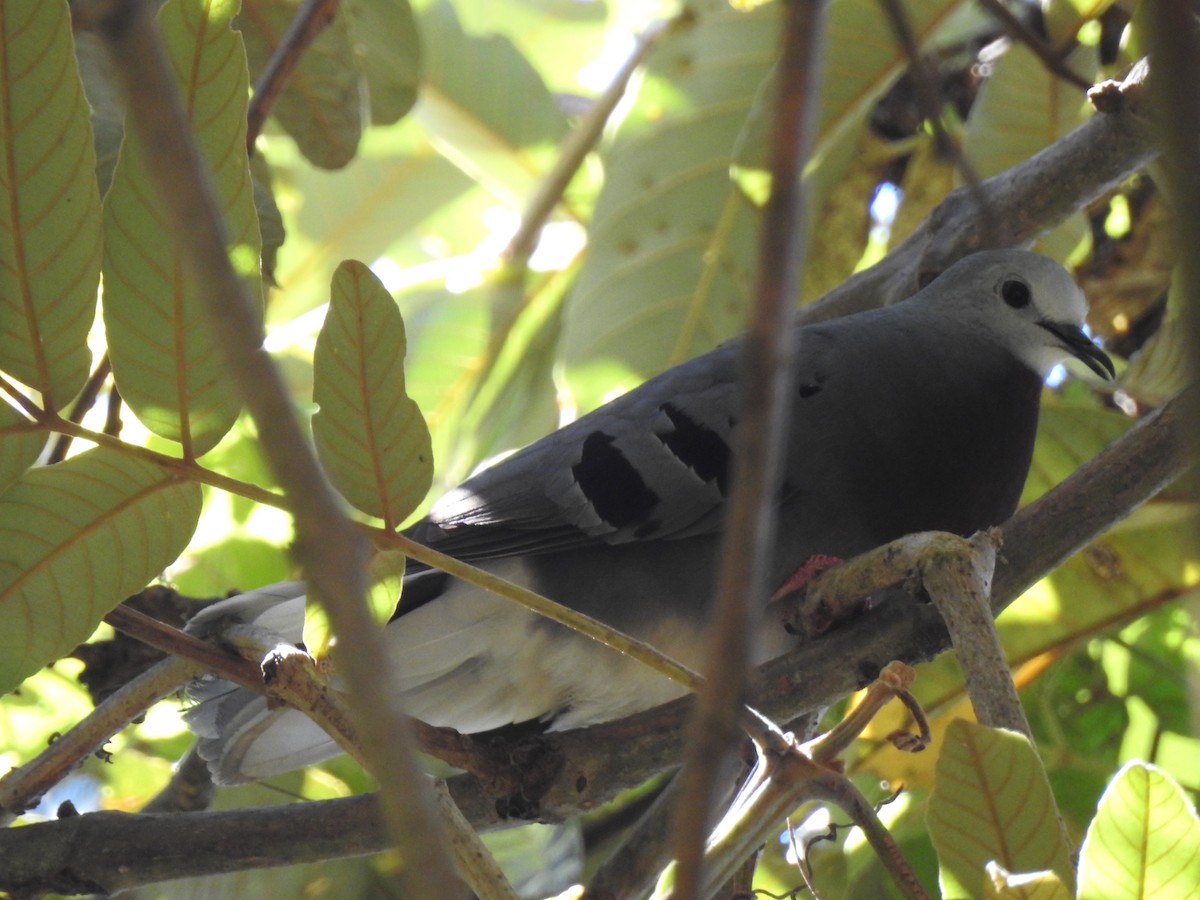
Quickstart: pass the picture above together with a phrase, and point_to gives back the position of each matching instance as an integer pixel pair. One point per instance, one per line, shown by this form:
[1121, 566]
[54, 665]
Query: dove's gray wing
[916, 417]
[653, 464]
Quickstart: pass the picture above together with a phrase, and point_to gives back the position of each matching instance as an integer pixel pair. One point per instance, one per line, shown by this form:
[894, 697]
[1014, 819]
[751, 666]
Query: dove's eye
[1015, 292]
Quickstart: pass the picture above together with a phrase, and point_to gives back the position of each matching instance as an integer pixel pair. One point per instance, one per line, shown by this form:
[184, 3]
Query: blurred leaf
[991, 802]
[673, 242]
[387, 579]
[448, 338]
[49, 204]
[76, 539]
[1064, 17]
[556, 36]
[236, 563]
[387, 50]
[1069, 434]
[1162, 366]
[862, 59]
[165, 360]
[485, 107]
[397, 197]
[370, 435]
[1022, 108]
[522, 367]
[1144, 841]
[319, 105]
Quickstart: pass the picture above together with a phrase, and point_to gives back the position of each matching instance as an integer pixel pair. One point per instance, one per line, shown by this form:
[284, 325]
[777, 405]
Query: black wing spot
[610, 482]
[698, 447]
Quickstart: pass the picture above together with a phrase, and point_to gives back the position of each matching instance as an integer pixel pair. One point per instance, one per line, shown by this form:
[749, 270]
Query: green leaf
[370, 435]
[165, 360]
[1144, 841]
[76, 539]
[319, 105]
[1022, 108]
[388, 51]
[991, 802]
[21, 442]
[485, 107]
[49, 203]
[670, 267]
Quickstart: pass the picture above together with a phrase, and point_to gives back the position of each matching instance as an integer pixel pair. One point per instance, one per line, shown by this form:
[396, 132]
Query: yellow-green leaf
[20, 443]
[49, 203]
[1022, 108]
[319, 105]
[165, 359]
[387, 579]
[991, 802]
[670, 265]
[389, 54]
[76, 539]
[485, 107]
[370, 435]
[1144, 841]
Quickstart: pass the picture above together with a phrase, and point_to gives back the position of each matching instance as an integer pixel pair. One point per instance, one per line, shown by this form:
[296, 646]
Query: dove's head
[1028, 303]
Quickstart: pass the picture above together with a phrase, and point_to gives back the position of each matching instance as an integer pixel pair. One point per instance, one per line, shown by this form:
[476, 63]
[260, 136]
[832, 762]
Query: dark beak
[1082, 348]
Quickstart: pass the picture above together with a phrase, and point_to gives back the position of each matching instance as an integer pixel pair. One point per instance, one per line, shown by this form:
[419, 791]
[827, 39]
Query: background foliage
[413, 138]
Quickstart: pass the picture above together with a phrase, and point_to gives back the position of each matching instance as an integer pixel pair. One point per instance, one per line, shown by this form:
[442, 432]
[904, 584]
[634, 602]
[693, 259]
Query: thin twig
[83, 403]
[23, 787]
[765, 379]
[310, 20]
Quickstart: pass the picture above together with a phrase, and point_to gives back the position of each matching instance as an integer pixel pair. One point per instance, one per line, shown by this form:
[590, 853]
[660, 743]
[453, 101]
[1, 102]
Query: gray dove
[920, 416]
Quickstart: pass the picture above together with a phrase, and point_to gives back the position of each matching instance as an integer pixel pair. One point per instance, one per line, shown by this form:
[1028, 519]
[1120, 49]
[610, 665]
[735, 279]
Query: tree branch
[765, 377]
